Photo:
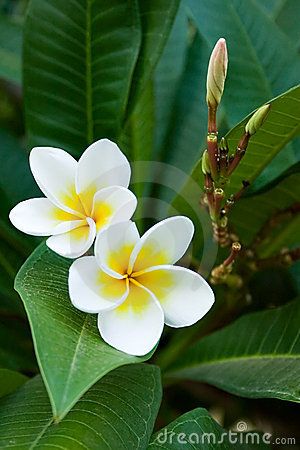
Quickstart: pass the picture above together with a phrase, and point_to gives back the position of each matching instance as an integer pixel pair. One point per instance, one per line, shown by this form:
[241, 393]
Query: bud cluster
[217, 163]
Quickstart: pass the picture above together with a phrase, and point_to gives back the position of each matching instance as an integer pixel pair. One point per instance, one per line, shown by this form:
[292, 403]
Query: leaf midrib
[41, 434]
[70, 373]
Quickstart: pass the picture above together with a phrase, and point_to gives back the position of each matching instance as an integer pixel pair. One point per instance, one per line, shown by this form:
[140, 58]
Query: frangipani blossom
[81, 197]
[132, 283]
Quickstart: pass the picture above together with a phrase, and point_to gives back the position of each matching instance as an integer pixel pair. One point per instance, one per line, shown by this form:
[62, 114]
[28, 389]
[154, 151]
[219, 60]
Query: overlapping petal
[101, 165]
[74, 243]
[113, 204]
[184, 295]
[39, 217]
[136, 325]
[164, 243]
[113, 247]
[92, 290]
[54, 171]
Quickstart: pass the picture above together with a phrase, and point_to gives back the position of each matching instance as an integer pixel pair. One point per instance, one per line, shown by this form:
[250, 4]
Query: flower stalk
[221, 273]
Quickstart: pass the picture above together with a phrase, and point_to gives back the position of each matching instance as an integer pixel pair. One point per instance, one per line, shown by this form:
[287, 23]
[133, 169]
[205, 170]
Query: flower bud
[256, 121]
[205, 163]
[216, 74]
[224, 145]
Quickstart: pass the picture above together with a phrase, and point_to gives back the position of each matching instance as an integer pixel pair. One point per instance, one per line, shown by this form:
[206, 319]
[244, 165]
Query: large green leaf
[256, 72]
[251, 213]
[256, 356]
[281, 125]
[10, 49]
[10, 381]
[79, 59]
[197, 430]
[156, 18]
[167, 77]
[69, 349]
[286, 14]
[116, 413]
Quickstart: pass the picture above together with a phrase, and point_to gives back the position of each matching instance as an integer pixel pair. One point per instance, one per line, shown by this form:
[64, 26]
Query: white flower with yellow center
[82, 197]
[132, 283]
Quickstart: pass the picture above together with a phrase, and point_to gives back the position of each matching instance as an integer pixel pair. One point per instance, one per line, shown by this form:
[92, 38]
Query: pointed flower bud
[216, 74]
[205, 163]
[256, 121]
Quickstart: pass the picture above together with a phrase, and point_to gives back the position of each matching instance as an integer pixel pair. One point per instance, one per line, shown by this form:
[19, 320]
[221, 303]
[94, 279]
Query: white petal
[74, 243]
[164, 243]
[92, 290]
[101, 165]
[114, 245]
[54, 171]
[39, 217]
[184, 295]
[135, 326]
[113, 204]
[64, 227]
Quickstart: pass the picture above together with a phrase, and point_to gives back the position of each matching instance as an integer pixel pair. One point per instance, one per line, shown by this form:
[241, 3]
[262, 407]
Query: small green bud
[216, 74]
[223, 145]
[256, 121]
[205, 163]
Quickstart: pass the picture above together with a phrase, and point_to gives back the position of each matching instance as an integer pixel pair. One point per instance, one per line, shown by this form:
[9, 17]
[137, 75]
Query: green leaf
[250, 214]
[281, 125]
[256, 356]
[156, 18]
[79, 59]
[14, 166]
[286, 16]
[10, 381]
[116, 413]
[69, 349]
[167, 77]
[256, 72]
[184, 142]
[14, 246]
[197, 430]
[10, 49]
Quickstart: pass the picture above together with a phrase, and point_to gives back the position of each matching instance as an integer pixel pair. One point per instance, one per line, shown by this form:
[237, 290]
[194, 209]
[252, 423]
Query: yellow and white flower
[81, 197]
[132, 283]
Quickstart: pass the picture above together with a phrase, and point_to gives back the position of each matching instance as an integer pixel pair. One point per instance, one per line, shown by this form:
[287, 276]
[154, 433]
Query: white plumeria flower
[82, 197]
[132, 283]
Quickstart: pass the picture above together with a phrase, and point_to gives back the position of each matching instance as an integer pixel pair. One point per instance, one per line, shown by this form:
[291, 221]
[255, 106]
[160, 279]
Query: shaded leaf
[250, 214]
[69, 349]
[156, 19]
[16, 348]
[167, 77]
[79, 59]
[117, 413]
[197, 430]
[10, 49]
[286, 16]
[257, 68]
[10, 381]
[256, 356]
